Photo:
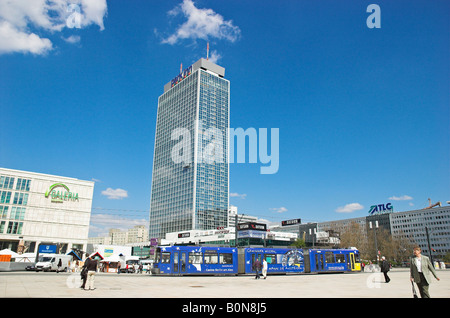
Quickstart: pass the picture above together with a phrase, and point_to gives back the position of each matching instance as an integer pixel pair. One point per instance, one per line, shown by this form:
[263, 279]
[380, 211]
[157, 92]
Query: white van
[49, 262]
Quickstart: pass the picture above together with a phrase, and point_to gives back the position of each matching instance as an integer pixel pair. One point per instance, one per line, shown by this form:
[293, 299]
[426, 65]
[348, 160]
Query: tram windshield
[165, 257]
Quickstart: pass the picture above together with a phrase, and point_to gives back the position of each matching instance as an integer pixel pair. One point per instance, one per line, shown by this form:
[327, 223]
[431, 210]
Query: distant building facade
[137, 234]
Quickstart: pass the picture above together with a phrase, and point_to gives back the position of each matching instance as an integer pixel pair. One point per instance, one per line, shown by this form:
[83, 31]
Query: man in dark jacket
[385, 267]
[84, 272]
[91, 266]
[257, 267]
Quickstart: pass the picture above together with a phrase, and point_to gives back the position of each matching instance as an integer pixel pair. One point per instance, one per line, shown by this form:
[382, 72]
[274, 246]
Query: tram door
[354, 265]
[179, 262]
[183, 262]
[319, 258]
[175, 262]
[256, 256]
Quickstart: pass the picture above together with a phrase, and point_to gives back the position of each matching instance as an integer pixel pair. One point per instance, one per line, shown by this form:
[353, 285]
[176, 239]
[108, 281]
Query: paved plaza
[109, 285]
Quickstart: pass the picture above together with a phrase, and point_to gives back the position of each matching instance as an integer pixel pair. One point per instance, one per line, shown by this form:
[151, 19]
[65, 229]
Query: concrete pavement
[109, 285]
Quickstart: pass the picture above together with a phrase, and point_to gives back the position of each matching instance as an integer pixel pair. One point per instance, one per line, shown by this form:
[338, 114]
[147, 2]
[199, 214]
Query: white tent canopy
[26, 257]
[9, 252]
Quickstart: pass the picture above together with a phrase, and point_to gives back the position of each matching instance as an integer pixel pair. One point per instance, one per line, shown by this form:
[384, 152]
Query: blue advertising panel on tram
[279, 260]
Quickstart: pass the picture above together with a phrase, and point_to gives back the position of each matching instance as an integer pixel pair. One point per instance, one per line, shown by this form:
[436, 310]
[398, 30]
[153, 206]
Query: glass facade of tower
[192, 194]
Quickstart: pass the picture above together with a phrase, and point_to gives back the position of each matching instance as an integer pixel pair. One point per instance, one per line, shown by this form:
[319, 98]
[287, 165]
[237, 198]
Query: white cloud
[94, 12]
[237, 195]
[115, 194]
[72, 39]
[349, 208]
[13, 40]
[19, 17]
[402, 198]
[214, 56]
[201, 24]
[279, 210]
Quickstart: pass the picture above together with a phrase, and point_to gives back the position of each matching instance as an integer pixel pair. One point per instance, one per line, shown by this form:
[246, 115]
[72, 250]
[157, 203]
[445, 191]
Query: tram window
[195, 258]
[165, 258]
[226, 258]
[211, 257]
[271, 258]
[340, 258]
[329, 257]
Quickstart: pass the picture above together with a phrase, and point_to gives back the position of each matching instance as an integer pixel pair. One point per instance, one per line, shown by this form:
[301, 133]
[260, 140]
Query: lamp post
[429, 245]
[313, 233]
[375, 237]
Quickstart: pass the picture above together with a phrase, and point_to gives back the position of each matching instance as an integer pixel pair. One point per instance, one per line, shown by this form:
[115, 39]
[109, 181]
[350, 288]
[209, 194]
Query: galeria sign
[60, 196]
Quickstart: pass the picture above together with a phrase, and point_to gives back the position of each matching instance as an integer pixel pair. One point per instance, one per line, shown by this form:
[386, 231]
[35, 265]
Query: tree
[299, 243]
[354, 236]
[394, 248]
[447, 257]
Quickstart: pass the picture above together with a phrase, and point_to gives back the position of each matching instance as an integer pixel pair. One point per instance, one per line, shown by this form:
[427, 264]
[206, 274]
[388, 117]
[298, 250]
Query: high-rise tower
[190, 181]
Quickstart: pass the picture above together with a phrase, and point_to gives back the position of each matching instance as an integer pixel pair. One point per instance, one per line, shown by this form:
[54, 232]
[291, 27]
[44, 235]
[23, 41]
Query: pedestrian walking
[91, 270]
[257, 268]
[420, 272]
[118, 267]
[83, 273]
[264, 268]
[385, 268]
[59, 266]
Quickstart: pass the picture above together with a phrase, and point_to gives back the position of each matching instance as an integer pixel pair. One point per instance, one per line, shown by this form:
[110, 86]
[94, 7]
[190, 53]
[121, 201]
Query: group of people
[88, 273]
[130, 268]
[421, 270]
[257, 266]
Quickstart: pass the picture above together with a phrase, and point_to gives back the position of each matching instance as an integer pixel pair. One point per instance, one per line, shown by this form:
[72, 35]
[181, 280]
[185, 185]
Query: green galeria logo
[60, 196]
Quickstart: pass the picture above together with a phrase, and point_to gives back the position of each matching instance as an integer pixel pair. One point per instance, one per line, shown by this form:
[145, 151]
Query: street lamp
[313, 235]
[429, 245]
[375, 237]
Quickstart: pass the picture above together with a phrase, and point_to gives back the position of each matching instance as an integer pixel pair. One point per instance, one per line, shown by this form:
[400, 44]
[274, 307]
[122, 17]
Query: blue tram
[191, 260]
[206, 260]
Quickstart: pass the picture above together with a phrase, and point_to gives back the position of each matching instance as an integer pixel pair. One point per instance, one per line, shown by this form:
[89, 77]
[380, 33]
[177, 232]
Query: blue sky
[363, 113]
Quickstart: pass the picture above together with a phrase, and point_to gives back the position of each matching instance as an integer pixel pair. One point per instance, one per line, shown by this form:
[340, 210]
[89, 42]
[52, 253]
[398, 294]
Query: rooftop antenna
[207, 51]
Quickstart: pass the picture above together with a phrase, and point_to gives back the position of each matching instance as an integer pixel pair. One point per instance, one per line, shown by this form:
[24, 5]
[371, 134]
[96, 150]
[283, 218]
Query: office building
[39, 208]
[428, 228]
[190, 163]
